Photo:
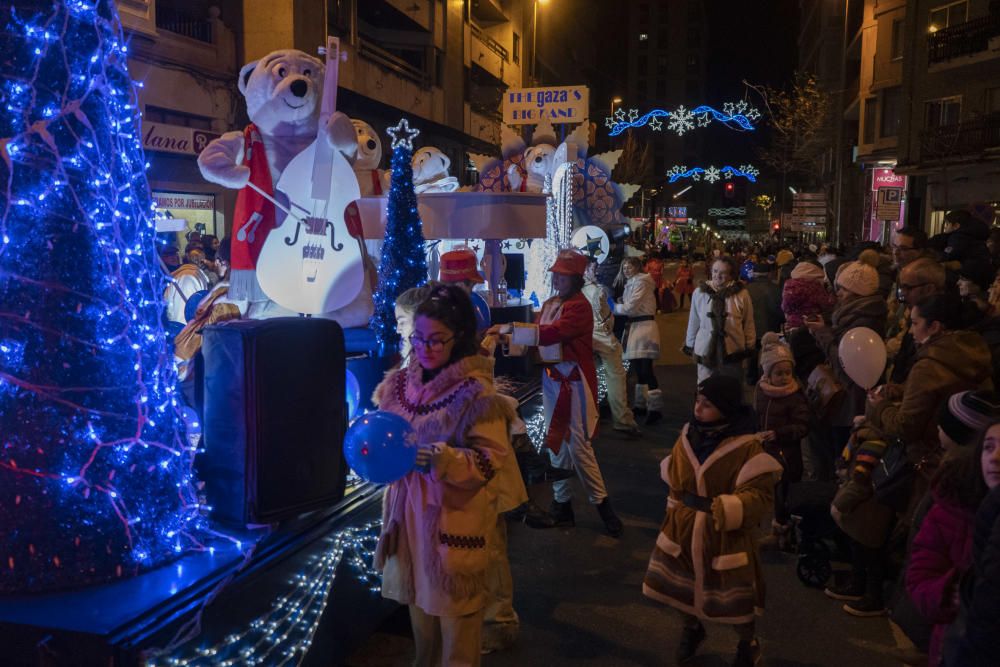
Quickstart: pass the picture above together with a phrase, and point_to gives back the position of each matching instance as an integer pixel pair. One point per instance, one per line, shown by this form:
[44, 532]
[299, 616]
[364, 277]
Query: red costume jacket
[575, 330]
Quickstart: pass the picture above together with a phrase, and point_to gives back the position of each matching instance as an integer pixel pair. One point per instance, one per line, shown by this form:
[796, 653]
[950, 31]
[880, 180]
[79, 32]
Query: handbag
[893, 477]
[823, 391]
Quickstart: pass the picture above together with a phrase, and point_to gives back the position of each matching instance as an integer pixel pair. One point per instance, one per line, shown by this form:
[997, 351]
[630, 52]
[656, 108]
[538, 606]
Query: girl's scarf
[771, 391]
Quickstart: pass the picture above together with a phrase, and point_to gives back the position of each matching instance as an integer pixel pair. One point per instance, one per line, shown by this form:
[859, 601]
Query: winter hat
[773, 350]
[459, 265]
[808, 271]
[968, 413]
[861, 276]
[725, 393]
[783, 257]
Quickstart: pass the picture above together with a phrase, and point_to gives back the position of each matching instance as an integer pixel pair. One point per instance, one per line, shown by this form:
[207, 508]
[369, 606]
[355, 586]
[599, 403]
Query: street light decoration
[738, 116]
[713, 174]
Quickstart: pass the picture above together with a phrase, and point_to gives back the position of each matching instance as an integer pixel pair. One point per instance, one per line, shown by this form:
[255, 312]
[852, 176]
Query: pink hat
[570, 262]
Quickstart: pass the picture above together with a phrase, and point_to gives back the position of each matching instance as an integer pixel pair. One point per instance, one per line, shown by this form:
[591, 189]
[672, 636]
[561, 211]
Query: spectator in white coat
[721, 331]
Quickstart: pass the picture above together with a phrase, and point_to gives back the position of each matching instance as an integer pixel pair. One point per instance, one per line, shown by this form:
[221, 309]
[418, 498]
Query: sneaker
[691, 639]
[865, 608]
[562, 514]
[747, 653]
[612, 523]
[850, 590]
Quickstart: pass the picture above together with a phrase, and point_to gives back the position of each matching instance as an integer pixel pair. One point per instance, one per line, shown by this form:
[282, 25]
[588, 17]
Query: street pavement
[579, 592]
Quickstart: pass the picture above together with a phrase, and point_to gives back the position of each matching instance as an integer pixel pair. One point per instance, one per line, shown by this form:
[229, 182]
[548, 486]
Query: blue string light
[713, 174]
[734, 115]
[96, 477]
[404, 264]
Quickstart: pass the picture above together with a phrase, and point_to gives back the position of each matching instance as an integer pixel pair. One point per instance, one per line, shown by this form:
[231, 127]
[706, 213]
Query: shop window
[197, 210]
[896, 45]
[942, 112]
[868, 128]
[891, 111]
[948, 15]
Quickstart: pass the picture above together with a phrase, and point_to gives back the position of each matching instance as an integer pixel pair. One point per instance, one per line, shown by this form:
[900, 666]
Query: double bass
[311, 263]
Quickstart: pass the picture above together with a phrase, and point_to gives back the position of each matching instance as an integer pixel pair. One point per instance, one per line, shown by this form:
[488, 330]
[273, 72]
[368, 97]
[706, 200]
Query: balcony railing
[963, 39]
[967, 138]
[183, 23]
[393, 63]
[491, 44]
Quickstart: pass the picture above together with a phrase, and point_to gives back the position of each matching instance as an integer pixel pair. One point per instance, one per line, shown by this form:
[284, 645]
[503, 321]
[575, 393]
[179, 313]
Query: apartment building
[184, 55]
[949, 138]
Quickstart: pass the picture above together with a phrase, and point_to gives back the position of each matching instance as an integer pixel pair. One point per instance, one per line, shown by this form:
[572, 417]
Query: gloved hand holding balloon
[379, 447]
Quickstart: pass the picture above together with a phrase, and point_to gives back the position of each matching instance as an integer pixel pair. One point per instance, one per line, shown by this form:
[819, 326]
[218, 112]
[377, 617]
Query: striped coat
[705, 564]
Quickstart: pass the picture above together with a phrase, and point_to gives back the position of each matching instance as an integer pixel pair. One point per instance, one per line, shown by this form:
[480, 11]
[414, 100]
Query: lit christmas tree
[404, 263]
[95, 475]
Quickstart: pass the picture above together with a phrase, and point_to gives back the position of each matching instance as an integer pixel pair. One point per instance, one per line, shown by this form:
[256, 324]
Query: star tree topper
[403, 135]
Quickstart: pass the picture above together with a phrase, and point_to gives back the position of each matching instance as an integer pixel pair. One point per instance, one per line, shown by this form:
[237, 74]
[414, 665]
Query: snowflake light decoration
[734, 115]
[712, 174]
[681, 121]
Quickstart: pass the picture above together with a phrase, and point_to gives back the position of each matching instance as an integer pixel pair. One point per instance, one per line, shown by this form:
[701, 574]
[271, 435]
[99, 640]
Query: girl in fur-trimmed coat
[721, 486]
[439, 519]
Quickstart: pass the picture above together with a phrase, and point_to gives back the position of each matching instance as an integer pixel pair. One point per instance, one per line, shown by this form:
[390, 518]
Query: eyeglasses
[435, 344]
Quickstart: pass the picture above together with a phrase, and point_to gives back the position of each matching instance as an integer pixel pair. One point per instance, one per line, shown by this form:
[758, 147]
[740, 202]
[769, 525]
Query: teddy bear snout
[539, 159]
[371, 144]
[299, 87]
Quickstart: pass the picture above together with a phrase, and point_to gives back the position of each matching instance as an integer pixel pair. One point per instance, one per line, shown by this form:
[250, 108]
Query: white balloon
[862, 356]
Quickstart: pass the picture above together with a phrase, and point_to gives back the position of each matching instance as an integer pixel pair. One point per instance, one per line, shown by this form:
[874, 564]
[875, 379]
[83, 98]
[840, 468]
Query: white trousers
[610, 351]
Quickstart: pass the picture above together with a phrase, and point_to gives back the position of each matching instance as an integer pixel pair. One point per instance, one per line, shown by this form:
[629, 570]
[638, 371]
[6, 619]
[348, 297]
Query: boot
[537, 468]
[611, 521]
[532, 515]
[654, 413]
[747, 653]
[562, 513]
[639, 406]
[691, 638]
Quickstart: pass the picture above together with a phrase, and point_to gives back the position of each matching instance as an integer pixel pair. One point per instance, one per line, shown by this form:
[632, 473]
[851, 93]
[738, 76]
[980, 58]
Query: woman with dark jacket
[858, 305]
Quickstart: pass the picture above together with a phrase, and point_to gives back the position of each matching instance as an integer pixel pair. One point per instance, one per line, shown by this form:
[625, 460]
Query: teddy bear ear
[245, 73]
[445, 161]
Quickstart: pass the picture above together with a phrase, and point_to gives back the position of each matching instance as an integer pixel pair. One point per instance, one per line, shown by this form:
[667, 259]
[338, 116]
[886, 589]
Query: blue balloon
[483, 318]
[379, 448]
[352, 393]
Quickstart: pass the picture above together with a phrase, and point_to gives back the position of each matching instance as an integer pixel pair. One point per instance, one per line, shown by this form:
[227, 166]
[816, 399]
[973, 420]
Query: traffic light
[776, 227]
[730, 190]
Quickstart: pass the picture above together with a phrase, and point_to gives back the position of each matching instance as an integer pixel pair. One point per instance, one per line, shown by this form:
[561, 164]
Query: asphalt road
[578, 591]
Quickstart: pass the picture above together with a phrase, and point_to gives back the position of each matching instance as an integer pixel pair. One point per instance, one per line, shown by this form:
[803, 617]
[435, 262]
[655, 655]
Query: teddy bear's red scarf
[254, 216]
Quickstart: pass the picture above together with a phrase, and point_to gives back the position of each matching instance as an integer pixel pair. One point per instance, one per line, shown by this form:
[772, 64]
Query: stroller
[819, 540]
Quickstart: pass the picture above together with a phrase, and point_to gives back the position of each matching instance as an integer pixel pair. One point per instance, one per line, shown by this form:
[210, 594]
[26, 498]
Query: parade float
[144, 530]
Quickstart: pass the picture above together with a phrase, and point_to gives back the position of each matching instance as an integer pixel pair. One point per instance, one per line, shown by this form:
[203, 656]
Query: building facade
[949, 142]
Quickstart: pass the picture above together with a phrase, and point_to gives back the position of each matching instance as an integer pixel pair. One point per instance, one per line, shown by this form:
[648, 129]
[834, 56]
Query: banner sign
[175, 138]
[558, 104]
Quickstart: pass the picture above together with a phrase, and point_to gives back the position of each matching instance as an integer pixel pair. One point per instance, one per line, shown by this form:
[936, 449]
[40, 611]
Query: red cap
[571, 262]
[459, 265]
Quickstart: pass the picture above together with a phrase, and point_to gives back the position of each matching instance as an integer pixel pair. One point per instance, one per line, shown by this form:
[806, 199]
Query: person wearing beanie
[857, 305]
[785, 261]
[563, 335]
[721, 485]
[783, 419]
[805, 295]
[965, 416]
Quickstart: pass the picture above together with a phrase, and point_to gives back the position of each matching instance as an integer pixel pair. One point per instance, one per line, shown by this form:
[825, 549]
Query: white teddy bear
[283, 91]
[371, 179]
[539, 163]
[430, 171]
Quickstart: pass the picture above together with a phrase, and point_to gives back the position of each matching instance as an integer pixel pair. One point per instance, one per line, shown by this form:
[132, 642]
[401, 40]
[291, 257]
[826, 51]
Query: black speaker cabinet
[274, 420]
[514, 274]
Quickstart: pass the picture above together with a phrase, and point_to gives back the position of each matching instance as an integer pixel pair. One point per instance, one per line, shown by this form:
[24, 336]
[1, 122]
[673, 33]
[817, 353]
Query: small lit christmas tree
[95, 476]
[404, 263]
